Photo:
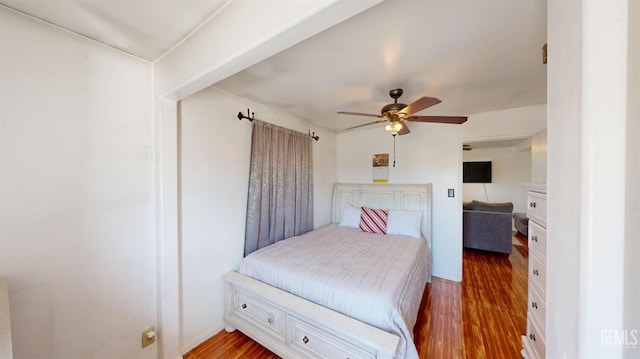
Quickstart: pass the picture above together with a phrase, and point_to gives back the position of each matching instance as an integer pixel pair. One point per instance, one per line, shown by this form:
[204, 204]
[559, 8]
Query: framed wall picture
[381, 167]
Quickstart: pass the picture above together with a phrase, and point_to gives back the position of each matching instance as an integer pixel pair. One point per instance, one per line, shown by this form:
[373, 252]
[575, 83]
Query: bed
[337, 292]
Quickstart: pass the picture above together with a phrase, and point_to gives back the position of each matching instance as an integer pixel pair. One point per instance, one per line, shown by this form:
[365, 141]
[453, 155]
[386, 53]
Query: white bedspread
[378, 279]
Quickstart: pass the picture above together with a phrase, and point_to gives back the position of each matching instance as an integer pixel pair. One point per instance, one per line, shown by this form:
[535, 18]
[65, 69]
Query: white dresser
[6, 351]
[533, 343]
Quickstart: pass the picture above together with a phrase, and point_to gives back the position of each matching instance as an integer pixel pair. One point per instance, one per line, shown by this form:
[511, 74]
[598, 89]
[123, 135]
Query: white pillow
[350, 216]
[406, 223]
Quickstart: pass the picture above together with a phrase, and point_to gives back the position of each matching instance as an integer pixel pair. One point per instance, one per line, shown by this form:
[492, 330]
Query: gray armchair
[487, 226]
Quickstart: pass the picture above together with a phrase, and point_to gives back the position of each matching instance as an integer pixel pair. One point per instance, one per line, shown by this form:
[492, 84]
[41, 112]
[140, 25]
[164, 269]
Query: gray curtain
[280, 202]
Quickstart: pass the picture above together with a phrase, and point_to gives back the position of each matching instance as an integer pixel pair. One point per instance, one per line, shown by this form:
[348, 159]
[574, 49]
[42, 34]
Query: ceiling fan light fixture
[394, 114]
[394, 127]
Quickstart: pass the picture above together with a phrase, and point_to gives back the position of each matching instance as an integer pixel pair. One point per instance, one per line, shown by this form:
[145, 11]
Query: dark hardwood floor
[482, 317]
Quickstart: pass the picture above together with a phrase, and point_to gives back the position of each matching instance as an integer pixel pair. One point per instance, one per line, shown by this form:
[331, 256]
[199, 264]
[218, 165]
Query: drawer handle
[244, 305]
[532, 337]
[534, 304]
[535, 271]
[532, 204]
[270, 320]
[305, 339]
[534, 238]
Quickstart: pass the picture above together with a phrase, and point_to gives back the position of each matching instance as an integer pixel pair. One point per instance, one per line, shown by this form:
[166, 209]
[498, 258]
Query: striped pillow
[373, 220]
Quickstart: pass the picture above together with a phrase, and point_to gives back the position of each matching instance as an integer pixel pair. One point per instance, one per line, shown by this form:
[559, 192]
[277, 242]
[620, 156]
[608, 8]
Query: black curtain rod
[248, 117]
[252, 116]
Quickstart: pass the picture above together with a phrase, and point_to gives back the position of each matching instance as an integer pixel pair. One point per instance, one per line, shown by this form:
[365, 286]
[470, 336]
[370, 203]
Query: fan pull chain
[394, 150]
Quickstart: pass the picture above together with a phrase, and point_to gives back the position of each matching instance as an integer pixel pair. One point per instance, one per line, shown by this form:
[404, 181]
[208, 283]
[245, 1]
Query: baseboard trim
[200, 339]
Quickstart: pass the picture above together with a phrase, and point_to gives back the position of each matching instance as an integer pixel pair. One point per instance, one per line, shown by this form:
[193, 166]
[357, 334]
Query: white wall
[510, 167]
[590, 112]
[632, 244]
[215, 154]
[563, 177]
[76, 196]
[433, 153]
[539, 157]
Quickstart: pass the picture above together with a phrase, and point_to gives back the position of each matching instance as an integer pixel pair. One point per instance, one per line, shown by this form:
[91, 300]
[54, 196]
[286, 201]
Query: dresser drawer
[537, 308]
[535, 339]
[537, 207]
[537, 272]
[538, 239]
[312, 342]
[259, 313]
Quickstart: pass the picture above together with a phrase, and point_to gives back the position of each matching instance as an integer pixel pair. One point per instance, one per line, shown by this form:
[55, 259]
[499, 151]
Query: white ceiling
[143, 28]
[475, 55]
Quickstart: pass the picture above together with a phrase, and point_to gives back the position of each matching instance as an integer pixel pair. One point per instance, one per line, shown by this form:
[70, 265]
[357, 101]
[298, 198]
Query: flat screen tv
[476, 172]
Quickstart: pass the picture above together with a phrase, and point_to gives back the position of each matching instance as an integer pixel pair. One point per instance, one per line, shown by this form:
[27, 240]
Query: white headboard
[415, 197]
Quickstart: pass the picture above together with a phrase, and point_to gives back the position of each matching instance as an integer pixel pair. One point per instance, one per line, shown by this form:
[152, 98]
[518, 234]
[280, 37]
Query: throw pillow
[406, 223]
[373, 220]
[350, 216]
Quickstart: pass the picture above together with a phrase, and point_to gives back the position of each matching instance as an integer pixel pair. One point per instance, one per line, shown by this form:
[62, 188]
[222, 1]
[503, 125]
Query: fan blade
[405, 129]
[419, 105]
[358, 114]
[365, 124]
[439, 119]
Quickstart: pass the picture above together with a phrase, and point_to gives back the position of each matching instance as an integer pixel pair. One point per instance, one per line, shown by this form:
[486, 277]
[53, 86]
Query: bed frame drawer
[259, 313]
[280, 321]
[314, 343]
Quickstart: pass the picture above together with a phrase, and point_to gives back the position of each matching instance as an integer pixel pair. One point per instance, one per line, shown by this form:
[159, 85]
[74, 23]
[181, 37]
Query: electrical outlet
[148, 336]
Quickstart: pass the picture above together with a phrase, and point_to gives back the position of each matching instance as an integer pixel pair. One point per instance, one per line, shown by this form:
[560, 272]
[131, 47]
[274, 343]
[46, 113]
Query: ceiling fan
[395, 114]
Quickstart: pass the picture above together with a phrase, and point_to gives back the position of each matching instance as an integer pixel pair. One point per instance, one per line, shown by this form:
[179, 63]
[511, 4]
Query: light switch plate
[148, 339]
